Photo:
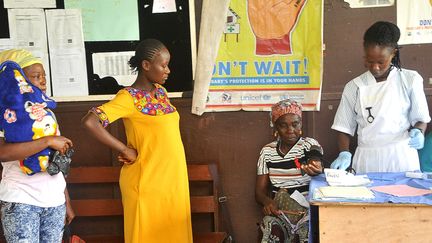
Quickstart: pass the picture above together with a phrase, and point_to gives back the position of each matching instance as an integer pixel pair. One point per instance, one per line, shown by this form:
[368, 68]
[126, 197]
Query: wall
[234, 139]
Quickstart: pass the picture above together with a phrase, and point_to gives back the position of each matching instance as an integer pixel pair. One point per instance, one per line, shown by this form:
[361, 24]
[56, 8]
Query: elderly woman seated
[286, 166]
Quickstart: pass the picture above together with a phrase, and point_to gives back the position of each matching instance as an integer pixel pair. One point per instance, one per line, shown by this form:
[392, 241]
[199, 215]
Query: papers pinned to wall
[369, 3]
[67, 53]
[6, 43]
[108, 20]
[27, 28]
[30, 3]
[164, 6]
[114, 64]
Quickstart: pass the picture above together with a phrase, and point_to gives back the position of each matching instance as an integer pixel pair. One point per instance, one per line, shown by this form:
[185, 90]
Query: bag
[69, 238]
[291, 226]
[59, 162]
[293, 210]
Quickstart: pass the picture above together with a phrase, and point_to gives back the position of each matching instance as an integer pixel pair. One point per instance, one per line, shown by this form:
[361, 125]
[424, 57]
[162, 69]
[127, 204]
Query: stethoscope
[370, 118]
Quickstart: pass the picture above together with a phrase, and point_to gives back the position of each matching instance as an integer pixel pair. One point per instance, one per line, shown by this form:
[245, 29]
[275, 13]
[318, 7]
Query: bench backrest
[112, 206]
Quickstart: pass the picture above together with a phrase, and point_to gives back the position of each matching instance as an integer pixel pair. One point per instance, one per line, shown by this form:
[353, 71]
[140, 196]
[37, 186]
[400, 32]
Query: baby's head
[31, 66]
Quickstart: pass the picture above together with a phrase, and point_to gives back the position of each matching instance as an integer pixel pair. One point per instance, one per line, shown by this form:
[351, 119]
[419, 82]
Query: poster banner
[269, 51]
[414, 18]
[108, 20]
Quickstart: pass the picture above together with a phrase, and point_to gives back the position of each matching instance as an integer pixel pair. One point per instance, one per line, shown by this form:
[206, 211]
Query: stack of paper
[343, 192]
[342, 178]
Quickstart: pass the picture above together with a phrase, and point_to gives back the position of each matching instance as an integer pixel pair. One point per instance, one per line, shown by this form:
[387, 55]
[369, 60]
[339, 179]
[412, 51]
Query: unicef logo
[226, 98]
[266, 97]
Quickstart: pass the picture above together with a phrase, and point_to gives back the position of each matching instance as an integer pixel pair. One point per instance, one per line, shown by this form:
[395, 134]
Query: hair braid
[146, 50]
[384, 34]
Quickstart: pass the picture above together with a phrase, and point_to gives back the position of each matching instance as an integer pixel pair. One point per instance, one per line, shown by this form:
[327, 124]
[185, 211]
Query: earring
[301, 132]
[275, 134]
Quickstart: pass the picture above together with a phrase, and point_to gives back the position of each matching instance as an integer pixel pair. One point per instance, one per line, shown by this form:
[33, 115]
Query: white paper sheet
[114, 64]
[164, 6]
[6, 43]
[67, 52]
[65, 29]
[369, 3]
[335, 192]
[336, 177]
[30, 4]
[27, 28]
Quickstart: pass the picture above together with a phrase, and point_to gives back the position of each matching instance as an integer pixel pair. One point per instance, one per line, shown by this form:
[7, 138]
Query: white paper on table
[164, 6]
[114, 64]
[67, 52]
[27, 28]
[343, 192]
[342, 178]
[30, 3]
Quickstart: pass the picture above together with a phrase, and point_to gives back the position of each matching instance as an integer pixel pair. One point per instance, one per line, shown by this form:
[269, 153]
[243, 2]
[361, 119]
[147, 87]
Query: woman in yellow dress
[153, 179]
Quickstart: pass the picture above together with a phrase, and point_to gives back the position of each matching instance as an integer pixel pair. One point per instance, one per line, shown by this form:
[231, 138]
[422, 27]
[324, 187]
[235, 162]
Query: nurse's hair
[384, 34]
[146, 50]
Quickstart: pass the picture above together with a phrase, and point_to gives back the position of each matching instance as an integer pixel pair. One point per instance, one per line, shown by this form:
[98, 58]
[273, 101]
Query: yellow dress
[155, 191]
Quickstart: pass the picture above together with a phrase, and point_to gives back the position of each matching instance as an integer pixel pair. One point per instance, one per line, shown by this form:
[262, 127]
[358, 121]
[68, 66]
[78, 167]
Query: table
[384, 219]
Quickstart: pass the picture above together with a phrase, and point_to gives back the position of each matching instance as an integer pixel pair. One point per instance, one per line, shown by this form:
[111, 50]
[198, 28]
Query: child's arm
[19, 151]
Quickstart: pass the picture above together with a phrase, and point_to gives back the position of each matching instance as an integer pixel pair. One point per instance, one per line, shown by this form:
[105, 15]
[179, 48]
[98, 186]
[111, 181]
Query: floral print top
[144, 102]
[149, 105]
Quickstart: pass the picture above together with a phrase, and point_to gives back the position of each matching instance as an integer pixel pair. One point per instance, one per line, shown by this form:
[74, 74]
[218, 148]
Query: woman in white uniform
[386, 105]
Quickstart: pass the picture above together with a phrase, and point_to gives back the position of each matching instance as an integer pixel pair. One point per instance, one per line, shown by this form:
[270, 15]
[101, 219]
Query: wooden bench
[103, 203]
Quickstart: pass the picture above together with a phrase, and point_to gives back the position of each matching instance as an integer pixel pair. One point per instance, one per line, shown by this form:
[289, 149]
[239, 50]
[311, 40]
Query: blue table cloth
[380, 179]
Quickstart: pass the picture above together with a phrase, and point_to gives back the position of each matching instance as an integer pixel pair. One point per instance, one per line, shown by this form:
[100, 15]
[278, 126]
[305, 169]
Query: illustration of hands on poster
[268, 52]
[272, 23]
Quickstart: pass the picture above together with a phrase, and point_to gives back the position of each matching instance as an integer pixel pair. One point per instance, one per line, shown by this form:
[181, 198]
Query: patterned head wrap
[283, 107]
[23, 57]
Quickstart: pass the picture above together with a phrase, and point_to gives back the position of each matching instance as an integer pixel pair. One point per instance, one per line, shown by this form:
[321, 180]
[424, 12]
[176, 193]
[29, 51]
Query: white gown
[383, 112]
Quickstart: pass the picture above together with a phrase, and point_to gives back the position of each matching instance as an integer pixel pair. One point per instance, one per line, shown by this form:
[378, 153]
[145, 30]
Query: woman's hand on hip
[127, 156]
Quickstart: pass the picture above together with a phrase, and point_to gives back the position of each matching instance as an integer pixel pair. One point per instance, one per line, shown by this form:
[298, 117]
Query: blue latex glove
[416, 138]
[342, 162]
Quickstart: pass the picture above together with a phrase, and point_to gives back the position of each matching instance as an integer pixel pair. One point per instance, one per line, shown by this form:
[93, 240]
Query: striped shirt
[282, 170]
